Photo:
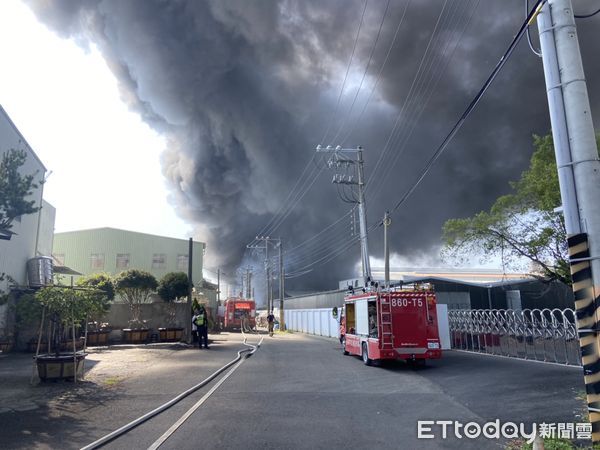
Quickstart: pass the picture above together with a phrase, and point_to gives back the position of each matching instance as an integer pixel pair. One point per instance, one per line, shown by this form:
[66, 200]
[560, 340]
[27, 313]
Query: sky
[104, 160]
[213, 110]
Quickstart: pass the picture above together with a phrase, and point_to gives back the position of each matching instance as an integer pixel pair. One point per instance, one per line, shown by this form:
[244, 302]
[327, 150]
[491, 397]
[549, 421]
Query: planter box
[52, 367]
[5, 346]
[98, 338]
[135, 336]
[67, 346]
[170, 334]
[32, 347]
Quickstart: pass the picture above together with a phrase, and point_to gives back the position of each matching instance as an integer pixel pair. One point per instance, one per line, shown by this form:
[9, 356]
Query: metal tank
[39, 271]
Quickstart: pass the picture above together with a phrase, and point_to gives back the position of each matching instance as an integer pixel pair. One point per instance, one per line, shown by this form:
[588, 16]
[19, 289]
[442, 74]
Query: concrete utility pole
[219, 287]
[188, 325]
[338, 160]
[268, 288]
[281, 286]
[579, 178]
[387, 221]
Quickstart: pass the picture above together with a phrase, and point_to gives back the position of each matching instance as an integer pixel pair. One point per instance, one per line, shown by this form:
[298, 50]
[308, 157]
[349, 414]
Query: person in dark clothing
[200, 321]
[271, 322]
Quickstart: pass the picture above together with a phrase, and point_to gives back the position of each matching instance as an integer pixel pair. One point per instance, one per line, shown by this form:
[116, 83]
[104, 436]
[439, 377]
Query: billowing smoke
[244, 91]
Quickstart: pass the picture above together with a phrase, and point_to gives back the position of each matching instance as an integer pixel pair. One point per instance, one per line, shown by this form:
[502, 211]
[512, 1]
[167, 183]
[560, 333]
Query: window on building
[59, 258]
[182, 262]
[159, 261]
[122, 260]
[97, 260]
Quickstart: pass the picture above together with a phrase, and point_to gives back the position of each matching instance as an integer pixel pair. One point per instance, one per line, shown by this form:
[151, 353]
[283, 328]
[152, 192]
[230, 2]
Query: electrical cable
[347, 71]
[586, 16]
[537, 52]
[386, 147]
[472, 104]
[379, 74]
[404, 133]
[349, 113]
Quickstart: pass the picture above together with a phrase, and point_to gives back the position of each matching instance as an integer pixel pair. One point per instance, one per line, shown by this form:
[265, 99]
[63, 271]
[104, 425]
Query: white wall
[15, 252]
[319, 322]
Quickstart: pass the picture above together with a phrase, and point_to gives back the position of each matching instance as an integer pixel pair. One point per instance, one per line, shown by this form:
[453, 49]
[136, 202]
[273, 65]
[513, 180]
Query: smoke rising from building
[244, 91]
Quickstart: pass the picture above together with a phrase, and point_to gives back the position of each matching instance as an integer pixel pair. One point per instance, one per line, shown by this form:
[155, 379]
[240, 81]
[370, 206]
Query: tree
[14, 191]
[519, 226]
[135, 287]
[100, 292]
[172, 286]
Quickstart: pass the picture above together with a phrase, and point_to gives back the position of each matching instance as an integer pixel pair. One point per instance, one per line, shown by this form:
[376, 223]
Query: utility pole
[248, 282]
[281, 286]
[219, 287]
[268, 288]
[188, 315]
[387, 221]
[579, 179]
[337, 160]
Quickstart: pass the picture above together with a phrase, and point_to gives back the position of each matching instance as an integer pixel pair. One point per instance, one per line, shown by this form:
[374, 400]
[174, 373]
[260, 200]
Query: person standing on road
[271, 322]
[200, 322]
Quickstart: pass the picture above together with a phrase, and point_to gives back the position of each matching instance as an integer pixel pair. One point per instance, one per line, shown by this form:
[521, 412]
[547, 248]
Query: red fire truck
[237, 310]
[391, 324]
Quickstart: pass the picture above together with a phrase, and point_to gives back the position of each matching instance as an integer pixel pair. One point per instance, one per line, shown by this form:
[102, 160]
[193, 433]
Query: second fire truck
[391, 324]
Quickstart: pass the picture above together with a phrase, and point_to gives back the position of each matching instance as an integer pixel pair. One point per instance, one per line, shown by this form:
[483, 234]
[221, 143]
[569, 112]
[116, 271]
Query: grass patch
[549, 444]
[112, 381]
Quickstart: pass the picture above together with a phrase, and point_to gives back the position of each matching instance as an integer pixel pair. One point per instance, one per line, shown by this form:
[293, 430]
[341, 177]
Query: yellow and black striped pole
[587, 303]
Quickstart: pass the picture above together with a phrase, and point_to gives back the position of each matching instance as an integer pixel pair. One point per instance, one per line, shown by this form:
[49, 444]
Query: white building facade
[33, 233]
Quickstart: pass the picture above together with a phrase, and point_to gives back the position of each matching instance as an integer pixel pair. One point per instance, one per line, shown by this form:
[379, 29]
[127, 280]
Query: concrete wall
[156, 315]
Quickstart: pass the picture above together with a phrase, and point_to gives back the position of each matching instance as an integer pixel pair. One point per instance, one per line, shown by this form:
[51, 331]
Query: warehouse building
[111, 251]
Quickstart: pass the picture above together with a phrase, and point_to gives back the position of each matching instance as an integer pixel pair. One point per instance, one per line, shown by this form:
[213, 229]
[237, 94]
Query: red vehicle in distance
[239, 312]
[391, 324]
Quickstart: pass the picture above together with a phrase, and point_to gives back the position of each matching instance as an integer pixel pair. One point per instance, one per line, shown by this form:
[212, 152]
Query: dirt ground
[120, 384]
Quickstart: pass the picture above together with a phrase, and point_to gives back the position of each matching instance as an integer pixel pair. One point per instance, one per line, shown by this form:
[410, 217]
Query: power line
[347, 71]
[585, 16]
[473, 102]
[349, 113]
[404, 133]
[379, 74]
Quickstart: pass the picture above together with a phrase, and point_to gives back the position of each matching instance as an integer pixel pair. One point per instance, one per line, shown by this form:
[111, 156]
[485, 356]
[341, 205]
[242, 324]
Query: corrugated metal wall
[78, 246]
[319, 321]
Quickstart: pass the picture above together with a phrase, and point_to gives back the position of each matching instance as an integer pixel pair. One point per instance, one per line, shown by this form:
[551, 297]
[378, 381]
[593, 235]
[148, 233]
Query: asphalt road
[301, 392]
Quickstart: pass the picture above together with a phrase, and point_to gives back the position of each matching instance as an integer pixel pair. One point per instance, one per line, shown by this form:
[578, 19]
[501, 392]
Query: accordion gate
[548, 335]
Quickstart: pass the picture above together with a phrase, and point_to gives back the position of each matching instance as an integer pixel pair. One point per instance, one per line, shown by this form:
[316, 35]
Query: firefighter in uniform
[200, 322]
[271, 322]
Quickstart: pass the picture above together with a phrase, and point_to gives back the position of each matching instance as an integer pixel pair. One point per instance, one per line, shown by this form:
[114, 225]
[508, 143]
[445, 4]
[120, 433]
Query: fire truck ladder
[385, 324]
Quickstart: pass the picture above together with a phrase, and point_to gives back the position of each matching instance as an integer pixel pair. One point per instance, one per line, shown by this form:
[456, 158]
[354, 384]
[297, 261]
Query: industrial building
[111, 251]
[30, 235]
[458, 289]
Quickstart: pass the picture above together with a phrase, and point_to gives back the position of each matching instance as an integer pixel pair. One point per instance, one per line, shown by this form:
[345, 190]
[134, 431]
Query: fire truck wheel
[344, 347]
[365, 355]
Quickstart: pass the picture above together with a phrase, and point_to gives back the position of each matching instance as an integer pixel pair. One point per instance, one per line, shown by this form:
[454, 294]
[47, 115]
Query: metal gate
[548, 335]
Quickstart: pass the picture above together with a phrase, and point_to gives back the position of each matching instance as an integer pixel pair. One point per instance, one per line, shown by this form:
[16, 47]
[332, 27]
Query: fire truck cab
[391, 324]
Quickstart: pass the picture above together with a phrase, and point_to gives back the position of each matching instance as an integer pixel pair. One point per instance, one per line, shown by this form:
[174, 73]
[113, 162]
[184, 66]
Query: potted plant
[135, 287]
[64, 308]
[6, 337]
[96, 331]
[172, 286]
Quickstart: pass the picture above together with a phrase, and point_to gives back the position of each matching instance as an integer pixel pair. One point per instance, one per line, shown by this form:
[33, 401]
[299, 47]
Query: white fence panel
[312, 321]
